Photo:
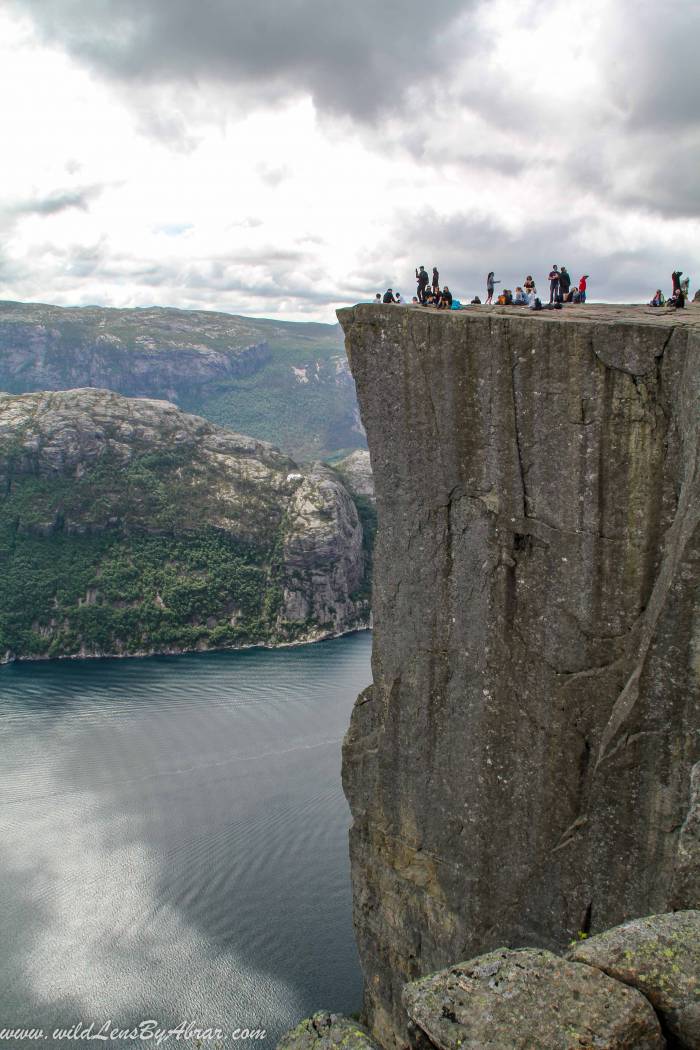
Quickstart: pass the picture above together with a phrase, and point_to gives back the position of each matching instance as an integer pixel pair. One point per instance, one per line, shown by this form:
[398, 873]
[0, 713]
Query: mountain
[129, 526]
[283, 382]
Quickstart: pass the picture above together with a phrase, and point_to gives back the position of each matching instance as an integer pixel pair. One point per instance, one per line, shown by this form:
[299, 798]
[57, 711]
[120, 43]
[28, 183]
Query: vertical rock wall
[521, 767]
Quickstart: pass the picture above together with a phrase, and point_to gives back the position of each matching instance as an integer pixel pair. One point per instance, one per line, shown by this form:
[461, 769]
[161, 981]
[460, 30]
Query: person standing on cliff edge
[436, 280]
[423, 281]
[582, 286]
[553, 279]
[490, 282]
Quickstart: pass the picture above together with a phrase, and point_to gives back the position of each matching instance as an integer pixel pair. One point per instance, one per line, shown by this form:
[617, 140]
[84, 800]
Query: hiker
[529, 284]
[389, 296]
[677, 300]
[575, 296]
[676, 278]
[446, 298]
[520, 298]
[423, 281]
[532, 301]
[582, 286]
[490, 282]
[378, 299]
[553, 283]
[685, 287]
[397, 297]
[436, 281]
[564, 284]
[659, 298]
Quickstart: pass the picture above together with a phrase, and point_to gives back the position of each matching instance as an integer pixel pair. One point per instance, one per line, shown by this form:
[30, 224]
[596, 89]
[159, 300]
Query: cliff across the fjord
[520, 769]
[130, 527]
[286, 382]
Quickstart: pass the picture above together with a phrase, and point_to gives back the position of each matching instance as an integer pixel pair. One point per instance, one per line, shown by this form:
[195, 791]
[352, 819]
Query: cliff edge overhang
[520, 768]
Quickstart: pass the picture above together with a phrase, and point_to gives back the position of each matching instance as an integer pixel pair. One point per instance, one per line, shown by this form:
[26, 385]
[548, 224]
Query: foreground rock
[128, 526]
[660, 956]
[518, 1000]
[520, 768]
[326, 1031]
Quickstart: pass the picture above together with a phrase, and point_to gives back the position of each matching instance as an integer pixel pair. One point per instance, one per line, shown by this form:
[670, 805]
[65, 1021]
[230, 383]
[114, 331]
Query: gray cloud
[355, 59]
[56, 202]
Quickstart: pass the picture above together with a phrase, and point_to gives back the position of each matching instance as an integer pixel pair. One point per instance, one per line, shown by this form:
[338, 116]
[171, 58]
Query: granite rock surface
[660, 956]
[519, 1000]
[520, 768]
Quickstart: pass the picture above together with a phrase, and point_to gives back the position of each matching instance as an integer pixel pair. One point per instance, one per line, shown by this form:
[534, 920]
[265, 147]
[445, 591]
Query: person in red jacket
[582, 285]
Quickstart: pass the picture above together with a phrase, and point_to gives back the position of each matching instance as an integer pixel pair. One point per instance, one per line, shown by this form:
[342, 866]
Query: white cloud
[530, 137]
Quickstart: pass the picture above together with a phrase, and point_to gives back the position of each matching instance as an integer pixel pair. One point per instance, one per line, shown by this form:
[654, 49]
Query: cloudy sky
[286, 157]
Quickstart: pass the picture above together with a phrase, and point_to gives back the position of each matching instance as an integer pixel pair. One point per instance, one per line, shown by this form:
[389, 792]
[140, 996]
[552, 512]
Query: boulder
[324, 1031]
[519, 1000]
[659, 955]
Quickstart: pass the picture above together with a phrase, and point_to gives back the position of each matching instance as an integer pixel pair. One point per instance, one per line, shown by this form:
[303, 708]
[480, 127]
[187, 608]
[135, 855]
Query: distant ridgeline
[283, 382]
[128, 526]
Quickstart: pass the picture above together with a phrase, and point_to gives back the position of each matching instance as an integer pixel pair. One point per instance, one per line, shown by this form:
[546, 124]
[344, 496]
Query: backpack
[455, 304]
[538, 305]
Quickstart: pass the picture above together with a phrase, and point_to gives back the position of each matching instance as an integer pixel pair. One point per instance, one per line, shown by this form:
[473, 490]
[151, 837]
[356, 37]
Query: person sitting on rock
[378, 299]
[659, 298]
[575, 295]
[445, 298]
[677, 300]
[389, 296]
[520, 298]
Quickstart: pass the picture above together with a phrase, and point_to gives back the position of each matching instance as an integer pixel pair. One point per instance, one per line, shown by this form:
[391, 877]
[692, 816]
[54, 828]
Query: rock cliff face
[128, 526]
[520, 769]
[141, 353]
[281, 381]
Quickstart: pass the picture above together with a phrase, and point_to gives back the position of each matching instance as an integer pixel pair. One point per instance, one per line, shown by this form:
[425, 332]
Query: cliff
[520, 768]
[128, 526]
[285, 382]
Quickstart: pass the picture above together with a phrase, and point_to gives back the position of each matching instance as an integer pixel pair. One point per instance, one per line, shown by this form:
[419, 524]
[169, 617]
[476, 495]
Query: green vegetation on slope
[175, 583]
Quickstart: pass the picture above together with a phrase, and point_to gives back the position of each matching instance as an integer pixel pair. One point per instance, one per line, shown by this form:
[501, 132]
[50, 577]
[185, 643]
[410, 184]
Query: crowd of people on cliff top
[562, 289]
[679, 295]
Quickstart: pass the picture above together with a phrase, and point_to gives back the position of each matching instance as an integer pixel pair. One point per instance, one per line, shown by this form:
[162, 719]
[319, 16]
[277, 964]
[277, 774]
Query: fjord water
[174, 839]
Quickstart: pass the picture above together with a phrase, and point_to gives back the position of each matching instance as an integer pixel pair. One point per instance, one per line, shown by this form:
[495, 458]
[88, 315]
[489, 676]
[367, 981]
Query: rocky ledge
[128, 526]
[520, 770]
[635, 987]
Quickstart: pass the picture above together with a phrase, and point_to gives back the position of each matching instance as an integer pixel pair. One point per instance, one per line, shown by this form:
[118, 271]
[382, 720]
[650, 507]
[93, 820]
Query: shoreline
[6, 661]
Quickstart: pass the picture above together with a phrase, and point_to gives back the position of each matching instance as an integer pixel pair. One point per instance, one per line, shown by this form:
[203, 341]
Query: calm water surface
[174, 839]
